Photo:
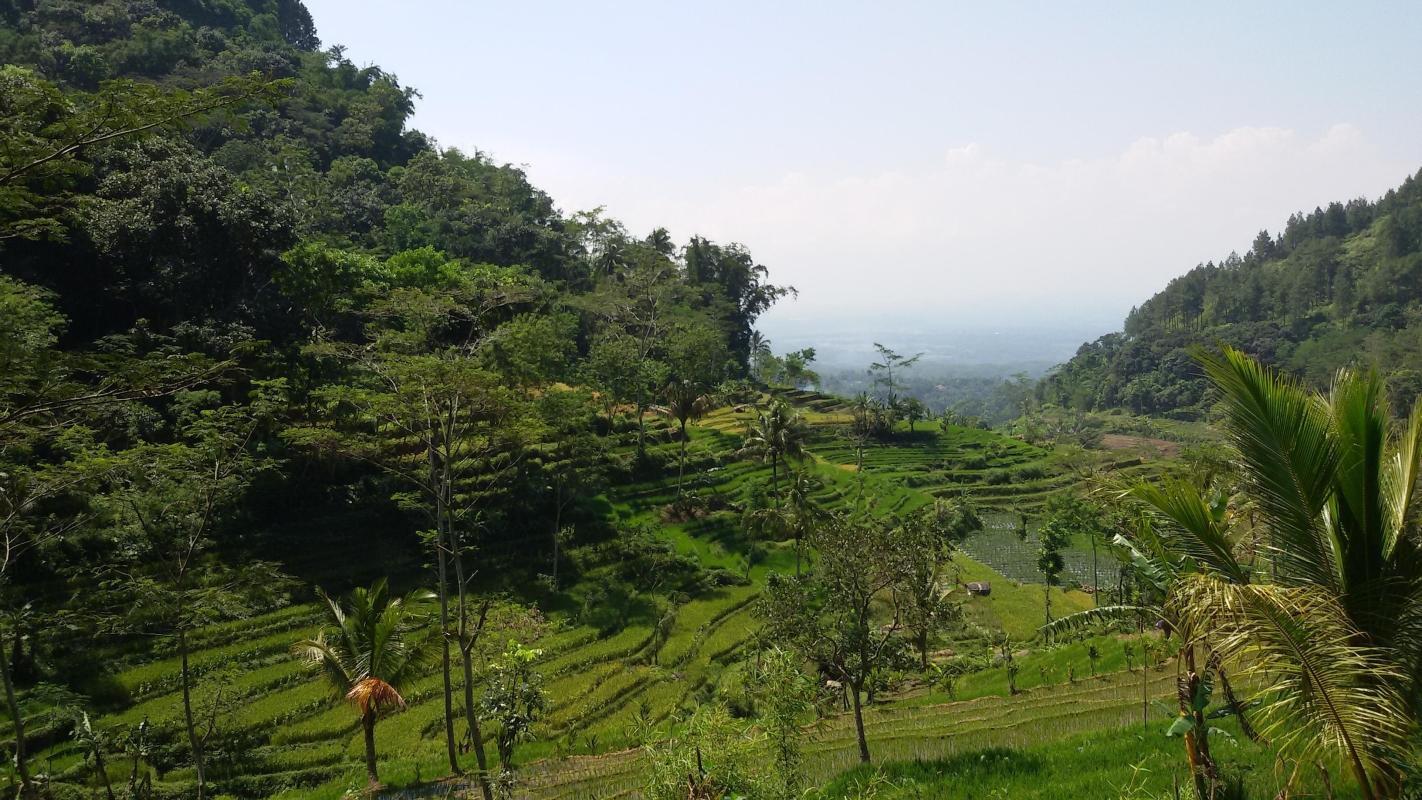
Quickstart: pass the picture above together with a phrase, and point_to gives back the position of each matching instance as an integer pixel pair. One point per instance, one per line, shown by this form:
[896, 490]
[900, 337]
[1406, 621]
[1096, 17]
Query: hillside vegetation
[334, 463]
[1340, 286]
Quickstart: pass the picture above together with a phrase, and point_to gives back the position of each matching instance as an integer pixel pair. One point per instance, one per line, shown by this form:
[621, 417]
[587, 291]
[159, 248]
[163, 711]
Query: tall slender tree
[777, 434]
[169, 502]
[687, 401]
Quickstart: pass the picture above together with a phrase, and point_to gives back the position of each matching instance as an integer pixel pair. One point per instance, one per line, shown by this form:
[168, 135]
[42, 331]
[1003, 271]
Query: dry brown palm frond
[373, 694]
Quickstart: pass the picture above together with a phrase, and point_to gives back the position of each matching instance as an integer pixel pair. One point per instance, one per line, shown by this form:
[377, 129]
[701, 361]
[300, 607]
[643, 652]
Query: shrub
[1031, 472]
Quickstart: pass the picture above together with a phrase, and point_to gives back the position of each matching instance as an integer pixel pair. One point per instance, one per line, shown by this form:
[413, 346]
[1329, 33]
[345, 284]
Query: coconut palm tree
[798, 517]
[687, 401]
[760, 354]
[367, 652]
[778, 433]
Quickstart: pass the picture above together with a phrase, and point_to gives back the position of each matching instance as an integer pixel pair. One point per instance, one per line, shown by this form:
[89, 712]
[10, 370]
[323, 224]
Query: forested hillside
[286, 224]
[337, 464]
[1340, 286]
[257, 336]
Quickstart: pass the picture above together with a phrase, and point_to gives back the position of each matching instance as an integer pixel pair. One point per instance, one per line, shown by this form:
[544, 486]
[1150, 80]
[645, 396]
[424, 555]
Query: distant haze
[1045, 165]
[1007, 346]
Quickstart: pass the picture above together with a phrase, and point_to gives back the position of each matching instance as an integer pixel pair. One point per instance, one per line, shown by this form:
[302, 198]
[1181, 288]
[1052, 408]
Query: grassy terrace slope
[899, 732]
[302, 743]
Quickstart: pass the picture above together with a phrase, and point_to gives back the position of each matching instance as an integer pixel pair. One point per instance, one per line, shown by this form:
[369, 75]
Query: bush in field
[784, 695]
[712, 756]
[514, 698]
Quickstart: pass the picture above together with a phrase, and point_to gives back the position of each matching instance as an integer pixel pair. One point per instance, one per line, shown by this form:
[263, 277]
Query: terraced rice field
[298, 738]
[898, 733]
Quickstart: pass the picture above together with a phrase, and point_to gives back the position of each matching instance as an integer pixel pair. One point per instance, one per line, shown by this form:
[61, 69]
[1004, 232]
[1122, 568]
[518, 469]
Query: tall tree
[697, 359]
[777, 433]
[1053, 536]
[883, 372]
[170, 501]
[829, 614]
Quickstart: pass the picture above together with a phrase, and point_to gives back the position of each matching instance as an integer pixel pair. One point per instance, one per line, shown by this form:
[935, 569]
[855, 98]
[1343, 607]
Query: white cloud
[970, 230]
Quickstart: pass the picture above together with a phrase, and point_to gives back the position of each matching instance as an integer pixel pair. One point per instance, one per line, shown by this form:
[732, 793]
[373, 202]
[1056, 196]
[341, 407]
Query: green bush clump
[1030, 473]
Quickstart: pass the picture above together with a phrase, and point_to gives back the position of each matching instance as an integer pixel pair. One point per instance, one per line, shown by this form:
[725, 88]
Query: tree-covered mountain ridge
[1340, 286]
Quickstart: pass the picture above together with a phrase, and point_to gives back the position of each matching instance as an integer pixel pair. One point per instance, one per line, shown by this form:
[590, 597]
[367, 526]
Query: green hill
[1340, 286]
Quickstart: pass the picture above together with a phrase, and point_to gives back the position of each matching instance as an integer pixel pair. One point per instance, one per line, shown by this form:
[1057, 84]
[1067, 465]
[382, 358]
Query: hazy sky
[943, 160]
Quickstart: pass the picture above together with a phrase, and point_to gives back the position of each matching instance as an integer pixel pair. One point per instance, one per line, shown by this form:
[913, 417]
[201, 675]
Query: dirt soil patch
[1159, 448]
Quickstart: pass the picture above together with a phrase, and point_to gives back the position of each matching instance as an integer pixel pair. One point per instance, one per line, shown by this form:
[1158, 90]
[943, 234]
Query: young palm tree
[1335, 638]
[687, 401]
[800, 514]
[778, 433]
[367, 653]
[1338, 633]
[1181, 532]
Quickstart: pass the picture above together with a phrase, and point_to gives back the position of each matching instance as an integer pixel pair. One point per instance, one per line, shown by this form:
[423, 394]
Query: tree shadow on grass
[978, 767]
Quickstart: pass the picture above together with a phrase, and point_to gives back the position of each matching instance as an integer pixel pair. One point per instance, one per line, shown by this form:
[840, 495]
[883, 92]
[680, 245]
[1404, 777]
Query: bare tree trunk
[442, 540]
[466, 656]
[100, 768]
[22, 769]
[476, 737]
[138, 749]
[681, 469]
[1095, 577]
[641, 428]
[557, 525]
[1145, 675]
[859, 723]
[1047, 603]
[193, 741]
[367, 721]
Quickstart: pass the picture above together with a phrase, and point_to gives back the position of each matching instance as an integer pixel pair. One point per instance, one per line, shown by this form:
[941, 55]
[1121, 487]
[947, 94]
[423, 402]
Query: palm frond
[1199, 532]
[1284, 435]
[1355, 513]
[1400, 479]
[1100, 614]
[335, 665]
[374, 694]
[1322, 691]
